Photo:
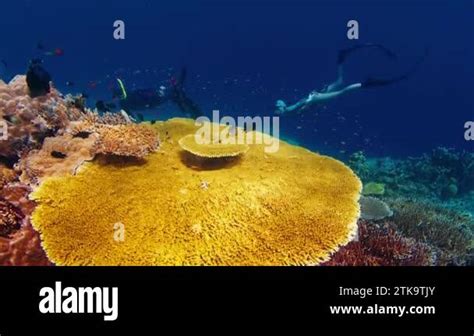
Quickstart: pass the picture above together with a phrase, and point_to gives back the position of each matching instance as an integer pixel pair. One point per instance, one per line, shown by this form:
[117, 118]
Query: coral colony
[69, 175]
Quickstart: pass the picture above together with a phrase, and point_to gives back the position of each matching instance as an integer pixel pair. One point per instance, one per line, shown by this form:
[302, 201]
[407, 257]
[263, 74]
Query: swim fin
[345, 53]
[377, 82]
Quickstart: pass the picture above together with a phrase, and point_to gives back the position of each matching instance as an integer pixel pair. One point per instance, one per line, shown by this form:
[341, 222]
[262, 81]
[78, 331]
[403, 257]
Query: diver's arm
[282, 108]
[315, 98]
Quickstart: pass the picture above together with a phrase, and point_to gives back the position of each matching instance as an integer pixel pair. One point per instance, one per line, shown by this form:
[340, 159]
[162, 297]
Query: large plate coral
[292, 207]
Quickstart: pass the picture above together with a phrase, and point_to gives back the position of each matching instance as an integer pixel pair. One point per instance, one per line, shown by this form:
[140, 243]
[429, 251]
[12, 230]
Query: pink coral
[30, 120]
[10, 218]
[382, 245]
[59, 156]
[22, 247]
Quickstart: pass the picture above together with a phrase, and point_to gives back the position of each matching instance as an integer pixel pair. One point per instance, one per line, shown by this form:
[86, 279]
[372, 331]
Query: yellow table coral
[292, 207]
[211, 150]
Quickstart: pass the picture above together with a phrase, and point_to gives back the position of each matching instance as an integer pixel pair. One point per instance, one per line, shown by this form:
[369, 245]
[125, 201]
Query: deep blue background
[243, 55]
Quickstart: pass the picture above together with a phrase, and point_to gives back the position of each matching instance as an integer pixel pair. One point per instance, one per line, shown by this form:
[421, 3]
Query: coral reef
[10, 218]
[7, 175]
[418, 234]
[382, 245]
[30, 120]
[51, 136]
[126, 140]
[23, 249]
[212, 150]
[61, 155]
[358, 162]
[267, 209]
[443, 174]
[91, 122]
[373, 188]
[23, 246]
[374, 209]
[449, 232]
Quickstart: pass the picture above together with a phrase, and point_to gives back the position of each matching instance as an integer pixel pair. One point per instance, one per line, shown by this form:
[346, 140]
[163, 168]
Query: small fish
[54, 52]
[69, 83]
[58, 155]
[92, 85]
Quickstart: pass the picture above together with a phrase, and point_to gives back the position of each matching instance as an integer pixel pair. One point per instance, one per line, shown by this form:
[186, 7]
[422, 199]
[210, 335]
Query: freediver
[338, 88]
[144, 99]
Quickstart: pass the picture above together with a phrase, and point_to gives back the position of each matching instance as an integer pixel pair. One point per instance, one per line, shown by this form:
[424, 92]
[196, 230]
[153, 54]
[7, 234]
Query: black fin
[377, 82]
[344, 53]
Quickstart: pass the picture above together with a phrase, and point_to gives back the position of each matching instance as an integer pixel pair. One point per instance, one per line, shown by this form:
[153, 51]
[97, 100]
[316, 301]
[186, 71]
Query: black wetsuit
[143, 99]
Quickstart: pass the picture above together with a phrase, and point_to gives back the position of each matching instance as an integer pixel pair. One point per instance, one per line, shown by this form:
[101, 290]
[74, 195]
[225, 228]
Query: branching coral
[126, 140]
[382, 245]
[292, 207]
[446, 230]
[92, 122]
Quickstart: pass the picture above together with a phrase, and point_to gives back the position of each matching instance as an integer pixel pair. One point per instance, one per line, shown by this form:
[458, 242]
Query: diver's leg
[336, 85]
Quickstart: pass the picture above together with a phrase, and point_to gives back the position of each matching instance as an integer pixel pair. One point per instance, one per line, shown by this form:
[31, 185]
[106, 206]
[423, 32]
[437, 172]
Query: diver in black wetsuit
[38, 79]
[337, 88]
[143, 99]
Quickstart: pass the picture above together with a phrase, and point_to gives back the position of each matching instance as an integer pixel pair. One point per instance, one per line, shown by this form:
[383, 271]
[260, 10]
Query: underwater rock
[292, 207]
[374, 209]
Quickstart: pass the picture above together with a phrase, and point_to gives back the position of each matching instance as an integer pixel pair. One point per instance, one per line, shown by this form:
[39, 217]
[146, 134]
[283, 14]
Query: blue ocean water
[243, 55]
